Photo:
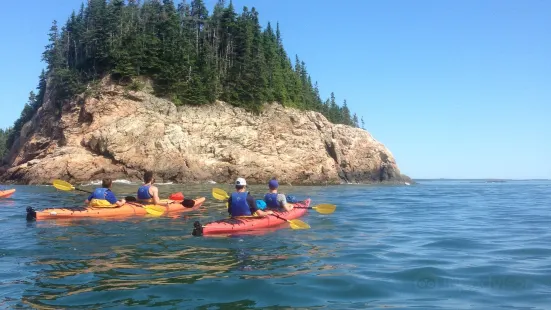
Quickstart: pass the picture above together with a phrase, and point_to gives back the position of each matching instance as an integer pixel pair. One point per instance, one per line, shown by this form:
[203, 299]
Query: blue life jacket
[143, 192]
[239, 205]
[271, 200]
[100, 193]
[260, 204]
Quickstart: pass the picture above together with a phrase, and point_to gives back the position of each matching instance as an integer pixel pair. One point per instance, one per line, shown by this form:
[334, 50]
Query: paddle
[66, 186]
[295, 224]
[323, 208]
[221, 194]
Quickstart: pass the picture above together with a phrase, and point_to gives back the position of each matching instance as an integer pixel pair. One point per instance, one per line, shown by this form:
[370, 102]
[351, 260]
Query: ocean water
[432, 245]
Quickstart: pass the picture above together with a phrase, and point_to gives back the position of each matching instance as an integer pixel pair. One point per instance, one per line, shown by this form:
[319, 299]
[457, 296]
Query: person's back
[143, 193]
[275, 200]
[103, 196]
[239, 204]
[148, 193]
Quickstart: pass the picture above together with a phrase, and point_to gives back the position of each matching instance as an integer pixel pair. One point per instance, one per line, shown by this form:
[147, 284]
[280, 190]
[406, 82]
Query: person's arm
[113, 200]
[87, 201]
[229, 206]
[155, 193]
[282, 201]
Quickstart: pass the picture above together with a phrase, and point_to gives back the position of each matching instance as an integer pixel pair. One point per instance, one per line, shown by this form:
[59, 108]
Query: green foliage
[136, 85]
[191, 57]
[4, 149]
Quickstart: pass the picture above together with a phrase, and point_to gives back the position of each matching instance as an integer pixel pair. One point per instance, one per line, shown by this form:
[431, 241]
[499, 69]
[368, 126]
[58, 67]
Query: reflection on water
[160, 261]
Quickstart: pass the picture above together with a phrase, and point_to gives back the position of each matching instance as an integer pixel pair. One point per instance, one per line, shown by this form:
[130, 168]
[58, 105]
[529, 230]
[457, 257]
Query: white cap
[240, 181]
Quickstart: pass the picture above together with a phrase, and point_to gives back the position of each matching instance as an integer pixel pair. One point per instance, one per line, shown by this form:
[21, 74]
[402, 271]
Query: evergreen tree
[52, 55]
[363, 124]
[334, 111]
[345, 117]
[4, 149]
[26, 115]
[355, 120]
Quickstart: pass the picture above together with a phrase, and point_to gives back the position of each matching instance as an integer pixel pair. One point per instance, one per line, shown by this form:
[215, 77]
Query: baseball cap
[273, 184]
[240, 181]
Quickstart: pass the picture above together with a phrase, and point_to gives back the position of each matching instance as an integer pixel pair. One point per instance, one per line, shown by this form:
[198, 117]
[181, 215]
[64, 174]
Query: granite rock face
[120, 134]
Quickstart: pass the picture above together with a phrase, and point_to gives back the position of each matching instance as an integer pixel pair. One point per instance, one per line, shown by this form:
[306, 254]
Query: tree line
[3, 145]
[191, 56]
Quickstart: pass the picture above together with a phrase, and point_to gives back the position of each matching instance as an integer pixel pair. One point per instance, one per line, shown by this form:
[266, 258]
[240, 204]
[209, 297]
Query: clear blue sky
[455, 89]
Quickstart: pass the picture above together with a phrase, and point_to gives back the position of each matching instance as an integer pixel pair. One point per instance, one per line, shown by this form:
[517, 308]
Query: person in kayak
[274, 200]
[148, 193]
[242, 203]
[103, 196]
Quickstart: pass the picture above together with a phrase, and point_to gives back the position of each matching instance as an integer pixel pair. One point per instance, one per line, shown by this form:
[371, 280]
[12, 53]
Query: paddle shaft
[83, 190]
[279, 217]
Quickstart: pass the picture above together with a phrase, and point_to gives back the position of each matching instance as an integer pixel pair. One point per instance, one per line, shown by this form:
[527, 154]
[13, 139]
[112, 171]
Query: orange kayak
[127, 210]
[7, 193]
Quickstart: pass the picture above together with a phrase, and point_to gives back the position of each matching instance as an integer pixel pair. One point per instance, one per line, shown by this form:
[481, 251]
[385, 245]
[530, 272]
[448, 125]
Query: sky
[454, 89]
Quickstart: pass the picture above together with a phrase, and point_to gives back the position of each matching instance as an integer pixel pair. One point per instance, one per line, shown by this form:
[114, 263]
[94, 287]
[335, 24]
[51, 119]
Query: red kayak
[243, 224]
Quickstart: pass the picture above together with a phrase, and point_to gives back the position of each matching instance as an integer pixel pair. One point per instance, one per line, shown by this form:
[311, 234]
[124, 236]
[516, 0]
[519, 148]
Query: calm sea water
[436, 244]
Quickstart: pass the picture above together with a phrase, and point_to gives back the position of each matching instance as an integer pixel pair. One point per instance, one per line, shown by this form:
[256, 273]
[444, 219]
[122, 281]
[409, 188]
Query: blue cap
[273, 184]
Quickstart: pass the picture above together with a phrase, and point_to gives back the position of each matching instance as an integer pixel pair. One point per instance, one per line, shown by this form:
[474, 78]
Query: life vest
[271, 200]
[98, 198]
[260, 204]
[99, 203]
[239, 205]
[143, 193]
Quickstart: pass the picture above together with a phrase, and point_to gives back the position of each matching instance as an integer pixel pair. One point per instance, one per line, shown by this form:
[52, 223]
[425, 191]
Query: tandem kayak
[126, 210]
[7, 193]
[241, 224]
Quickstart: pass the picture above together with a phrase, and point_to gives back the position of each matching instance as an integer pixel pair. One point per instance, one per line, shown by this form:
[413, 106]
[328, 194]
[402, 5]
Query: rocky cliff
[119, 133]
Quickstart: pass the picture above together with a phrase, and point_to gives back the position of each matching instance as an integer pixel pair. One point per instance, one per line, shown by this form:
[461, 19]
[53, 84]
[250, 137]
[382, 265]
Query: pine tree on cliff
[26, 115]
[355, 120]
[276, 90]
[345, 114]
[4, 149]
[51, 55]
[335, 113]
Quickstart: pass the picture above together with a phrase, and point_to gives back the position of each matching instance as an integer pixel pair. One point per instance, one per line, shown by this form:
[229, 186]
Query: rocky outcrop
[121, 133]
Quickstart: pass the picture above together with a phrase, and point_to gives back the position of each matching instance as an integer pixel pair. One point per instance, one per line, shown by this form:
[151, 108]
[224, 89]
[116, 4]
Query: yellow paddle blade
[62, 185]
[298, 224]
[219, 194]
[325, 208]
[154, 210]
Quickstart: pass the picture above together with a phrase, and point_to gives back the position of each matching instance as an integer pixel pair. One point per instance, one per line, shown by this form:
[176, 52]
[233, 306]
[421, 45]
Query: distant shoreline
[481, 179]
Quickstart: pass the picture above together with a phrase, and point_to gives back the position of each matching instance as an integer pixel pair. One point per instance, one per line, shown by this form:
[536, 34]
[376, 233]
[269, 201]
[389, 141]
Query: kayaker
[103, 196]
[242, 203]
[147, 193]
[274, 200]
